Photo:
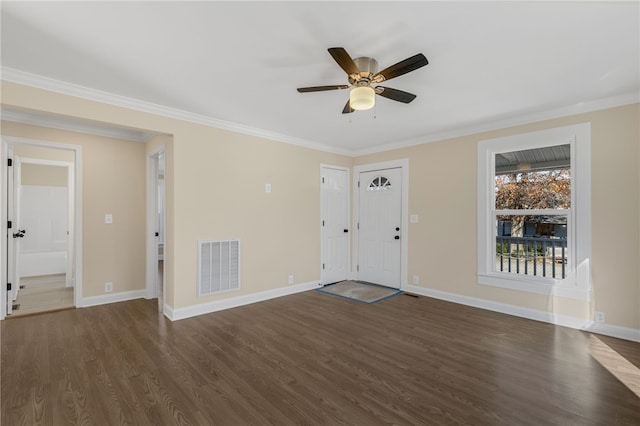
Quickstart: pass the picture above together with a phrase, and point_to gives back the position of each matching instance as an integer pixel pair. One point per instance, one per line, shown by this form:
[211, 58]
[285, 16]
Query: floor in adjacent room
[44, 293]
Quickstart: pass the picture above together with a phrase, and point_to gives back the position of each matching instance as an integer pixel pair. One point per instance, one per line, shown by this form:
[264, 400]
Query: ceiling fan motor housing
[368, 68]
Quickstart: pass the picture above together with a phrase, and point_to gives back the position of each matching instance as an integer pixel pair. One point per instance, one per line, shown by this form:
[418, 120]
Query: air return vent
[218, 266]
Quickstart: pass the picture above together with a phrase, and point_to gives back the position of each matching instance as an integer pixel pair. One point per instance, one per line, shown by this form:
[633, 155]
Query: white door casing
[156, 206]
[13, 179]
[380, 227]
[75, 216]
[335, 229]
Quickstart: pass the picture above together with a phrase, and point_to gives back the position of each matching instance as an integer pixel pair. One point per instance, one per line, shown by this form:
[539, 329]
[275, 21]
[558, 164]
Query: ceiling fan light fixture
[362, 98]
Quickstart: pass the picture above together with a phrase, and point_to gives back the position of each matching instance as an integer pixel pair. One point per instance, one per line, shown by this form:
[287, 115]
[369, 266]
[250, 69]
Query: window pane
[532, 245]
[379, 183]
[533, 179]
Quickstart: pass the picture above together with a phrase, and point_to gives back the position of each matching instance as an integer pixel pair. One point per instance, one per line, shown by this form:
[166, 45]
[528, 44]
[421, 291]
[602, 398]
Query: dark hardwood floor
[310, 358]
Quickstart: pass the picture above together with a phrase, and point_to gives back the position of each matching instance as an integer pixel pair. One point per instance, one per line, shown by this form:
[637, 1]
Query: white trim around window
[577, 284]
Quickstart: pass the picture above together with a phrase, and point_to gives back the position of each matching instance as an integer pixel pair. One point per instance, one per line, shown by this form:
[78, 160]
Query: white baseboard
[219, 305]
[112, 298]
[233, 302]
[168, 311]
[534, 314]
[632, 334]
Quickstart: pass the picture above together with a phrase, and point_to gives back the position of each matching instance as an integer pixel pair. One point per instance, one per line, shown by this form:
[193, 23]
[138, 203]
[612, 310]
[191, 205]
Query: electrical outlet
[290, 279]
[108, 287]
[600, 317]
[416, 280]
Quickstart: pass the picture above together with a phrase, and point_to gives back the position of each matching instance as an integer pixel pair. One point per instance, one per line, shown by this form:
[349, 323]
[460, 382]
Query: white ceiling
[239, 63]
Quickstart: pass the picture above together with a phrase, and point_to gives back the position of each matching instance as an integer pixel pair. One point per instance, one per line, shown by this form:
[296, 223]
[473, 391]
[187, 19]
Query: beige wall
[43, 175]
[41, 152]
[217, 183]
[219, 193]
[113, 181]
[443, 245]
[215, 189]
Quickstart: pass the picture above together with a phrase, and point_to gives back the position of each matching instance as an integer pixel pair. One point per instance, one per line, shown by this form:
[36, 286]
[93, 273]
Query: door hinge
[323, 180]
[358, 184]
[323, 266]
[8, 286]
[9, 224]
[358, 268]
[358, 225]
[323, 223]
[9, 162]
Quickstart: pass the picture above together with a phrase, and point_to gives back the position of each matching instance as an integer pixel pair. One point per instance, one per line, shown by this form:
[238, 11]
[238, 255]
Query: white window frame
[577, 283]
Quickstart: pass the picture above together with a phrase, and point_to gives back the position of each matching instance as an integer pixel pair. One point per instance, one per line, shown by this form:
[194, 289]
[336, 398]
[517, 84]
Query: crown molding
[74, 125]
[45, 83]
[579, 108]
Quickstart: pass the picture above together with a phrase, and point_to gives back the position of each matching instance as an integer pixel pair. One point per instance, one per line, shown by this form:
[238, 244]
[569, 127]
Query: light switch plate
[108, 218]
[413, 218]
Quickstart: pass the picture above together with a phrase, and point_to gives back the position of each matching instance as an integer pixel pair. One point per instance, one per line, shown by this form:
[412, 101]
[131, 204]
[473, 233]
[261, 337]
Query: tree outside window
[532, 196]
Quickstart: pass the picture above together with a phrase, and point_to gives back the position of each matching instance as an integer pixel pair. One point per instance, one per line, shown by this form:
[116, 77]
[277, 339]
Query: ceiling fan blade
[402, 67]
[347, 108]
[321, 88]
[395, 94]
[344, 60]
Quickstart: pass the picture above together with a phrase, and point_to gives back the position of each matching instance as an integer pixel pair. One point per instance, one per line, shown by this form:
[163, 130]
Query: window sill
[547, 287]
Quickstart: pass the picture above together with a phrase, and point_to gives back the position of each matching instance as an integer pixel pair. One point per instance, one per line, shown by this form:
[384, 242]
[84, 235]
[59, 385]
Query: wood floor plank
[46, 293]
[310, 358]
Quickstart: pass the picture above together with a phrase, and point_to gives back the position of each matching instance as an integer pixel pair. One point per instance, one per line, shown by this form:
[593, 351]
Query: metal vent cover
[218, 266]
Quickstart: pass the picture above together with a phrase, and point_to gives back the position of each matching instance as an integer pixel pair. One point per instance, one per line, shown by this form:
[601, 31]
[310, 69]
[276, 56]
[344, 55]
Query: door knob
[397, 237]
[20, 233]
[397, 229]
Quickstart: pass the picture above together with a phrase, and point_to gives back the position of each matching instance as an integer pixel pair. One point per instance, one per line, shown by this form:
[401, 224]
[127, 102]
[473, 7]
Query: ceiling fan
[364, 79]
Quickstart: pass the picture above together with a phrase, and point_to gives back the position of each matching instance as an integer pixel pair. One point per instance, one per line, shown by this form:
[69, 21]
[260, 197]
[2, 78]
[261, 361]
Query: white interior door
[19, 231]
[380, 226]
[335, 224]
[14, 231]
[160, 201]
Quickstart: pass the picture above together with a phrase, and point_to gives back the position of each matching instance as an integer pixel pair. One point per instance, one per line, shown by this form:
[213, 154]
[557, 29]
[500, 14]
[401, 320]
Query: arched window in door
[379, 183]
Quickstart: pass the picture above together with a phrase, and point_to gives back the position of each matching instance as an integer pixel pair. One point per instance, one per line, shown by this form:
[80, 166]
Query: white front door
[380, 225]
[335, 224]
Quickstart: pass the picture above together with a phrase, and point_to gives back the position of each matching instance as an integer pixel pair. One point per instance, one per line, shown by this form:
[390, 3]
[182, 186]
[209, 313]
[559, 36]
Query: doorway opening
[42, 212]
[156, 205]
